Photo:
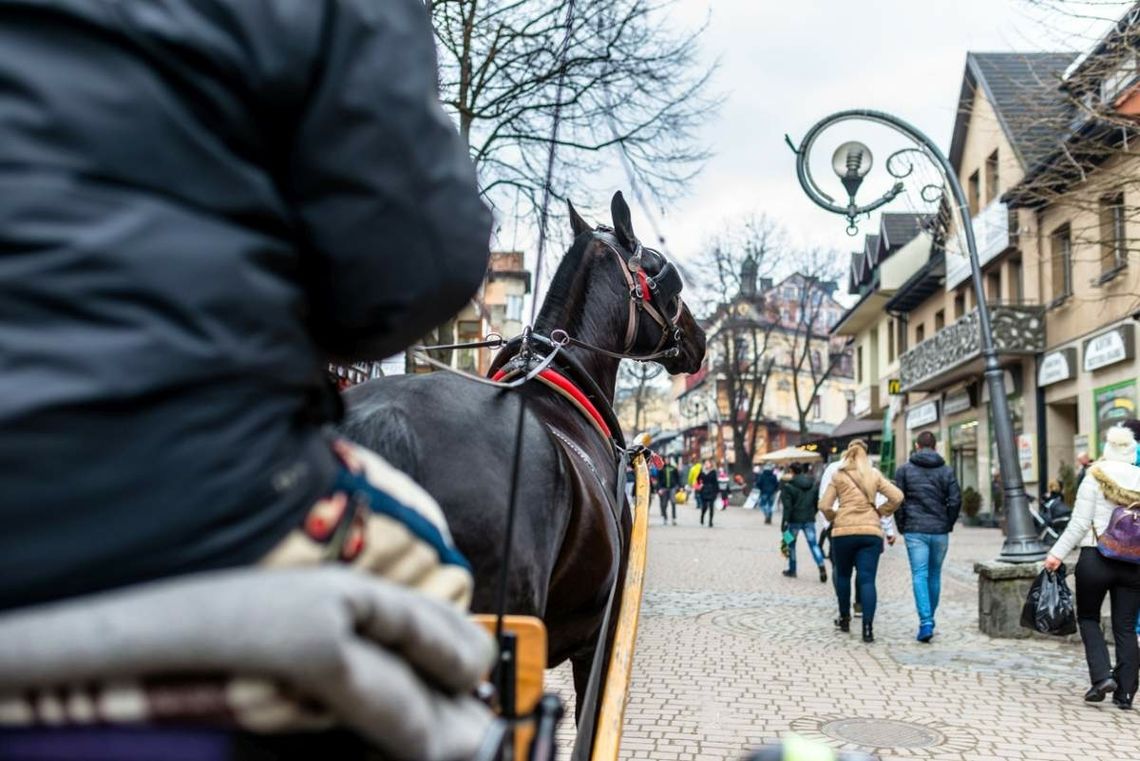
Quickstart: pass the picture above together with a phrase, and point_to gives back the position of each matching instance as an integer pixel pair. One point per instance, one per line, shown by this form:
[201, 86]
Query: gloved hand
[393, 665]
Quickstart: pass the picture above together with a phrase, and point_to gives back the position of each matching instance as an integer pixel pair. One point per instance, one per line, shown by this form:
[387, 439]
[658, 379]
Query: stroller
[1051, 519]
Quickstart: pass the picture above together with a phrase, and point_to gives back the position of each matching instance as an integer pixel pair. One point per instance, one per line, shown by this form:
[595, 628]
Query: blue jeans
[813, 545]
[767, 501]
[856, 553]
[926, 553]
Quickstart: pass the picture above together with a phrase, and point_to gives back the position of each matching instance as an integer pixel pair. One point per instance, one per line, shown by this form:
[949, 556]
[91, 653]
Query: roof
[922, 285]
[854, 426]
[1024, 90]
[897, 228]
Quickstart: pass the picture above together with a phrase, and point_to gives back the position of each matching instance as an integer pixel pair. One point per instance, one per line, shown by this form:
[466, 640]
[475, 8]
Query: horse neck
[589, 308]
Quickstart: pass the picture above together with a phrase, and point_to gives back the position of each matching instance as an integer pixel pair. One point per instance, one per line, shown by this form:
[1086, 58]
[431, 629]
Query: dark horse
[456, 437]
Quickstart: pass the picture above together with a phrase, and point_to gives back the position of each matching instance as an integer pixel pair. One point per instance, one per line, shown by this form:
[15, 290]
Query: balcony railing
[949, 353]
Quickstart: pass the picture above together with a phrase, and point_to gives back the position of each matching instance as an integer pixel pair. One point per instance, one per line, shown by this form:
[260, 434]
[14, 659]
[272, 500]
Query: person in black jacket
[668, 481]
[931, 503]
[799, 496]
[708, 485]
[201, 203]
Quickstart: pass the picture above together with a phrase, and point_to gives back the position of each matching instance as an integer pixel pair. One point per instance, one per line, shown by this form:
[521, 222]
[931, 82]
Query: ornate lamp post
[852, 162]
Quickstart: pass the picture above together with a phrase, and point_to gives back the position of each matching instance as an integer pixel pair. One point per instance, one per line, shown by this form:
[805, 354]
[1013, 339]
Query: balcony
[955, 352]
[995, 230]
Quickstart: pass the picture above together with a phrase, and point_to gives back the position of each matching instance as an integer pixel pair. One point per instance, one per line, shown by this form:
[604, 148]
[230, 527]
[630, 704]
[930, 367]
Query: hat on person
[1119, 446]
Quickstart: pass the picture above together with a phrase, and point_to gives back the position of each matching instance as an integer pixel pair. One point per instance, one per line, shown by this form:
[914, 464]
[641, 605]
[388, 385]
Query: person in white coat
[1112, 481]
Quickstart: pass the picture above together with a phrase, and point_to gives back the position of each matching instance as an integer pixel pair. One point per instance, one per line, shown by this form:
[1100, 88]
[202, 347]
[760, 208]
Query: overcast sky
[784, 65]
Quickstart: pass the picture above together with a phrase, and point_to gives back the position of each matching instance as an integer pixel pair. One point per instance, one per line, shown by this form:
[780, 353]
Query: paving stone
[731, 655]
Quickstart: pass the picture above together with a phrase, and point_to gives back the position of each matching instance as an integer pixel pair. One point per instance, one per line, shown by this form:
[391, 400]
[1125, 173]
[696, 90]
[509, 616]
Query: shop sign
[921, 415]
[1057, 366]
[894, 386]
[1109, 348]
[957, 401]
[1111, 405]
[1027, 457]
[862, 404]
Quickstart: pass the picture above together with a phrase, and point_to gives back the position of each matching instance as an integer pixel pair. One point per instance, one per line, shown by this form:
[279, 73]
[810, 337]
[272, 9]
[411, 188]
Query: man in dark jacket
[668, 481]
[708, 486]
[931, 503]
[200, 204]
[799, 498]
[767, 485]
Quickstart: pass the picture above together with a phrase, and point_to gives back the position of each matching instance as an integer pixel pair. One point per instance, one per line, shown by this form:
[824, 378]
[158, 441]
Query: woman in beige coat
[856, 533]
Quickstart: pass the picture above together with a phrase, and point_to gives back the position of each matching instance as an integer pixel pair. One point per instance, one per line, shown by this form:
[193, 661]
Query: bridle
[658, 296]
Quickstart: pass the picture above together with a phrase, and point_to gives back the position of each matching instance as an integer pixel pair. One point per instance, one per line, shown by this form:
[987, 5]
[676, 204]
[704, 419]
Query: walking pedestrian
[708, 487]
[800, 497]
[1112, 481]
[1083, 462]
[668, 479]
[857, 533]
[932, 500]
[767, 484]
[724, 483]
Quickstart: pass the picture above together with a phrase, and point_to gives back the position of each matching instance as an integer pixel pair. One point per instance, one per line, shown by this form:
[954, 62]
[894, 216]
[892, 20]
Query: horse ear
[623, 225]
[577, 224]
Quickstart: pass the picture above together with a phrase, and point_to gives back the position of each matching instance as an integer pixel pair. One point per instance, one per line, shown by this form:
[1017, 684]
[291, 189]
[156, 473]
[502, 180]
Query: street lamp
[852, 162]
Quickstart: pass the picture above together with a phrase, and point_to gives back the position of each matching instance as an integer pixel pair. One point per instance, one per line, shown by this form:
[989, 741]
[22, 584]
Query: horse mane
[565, 287]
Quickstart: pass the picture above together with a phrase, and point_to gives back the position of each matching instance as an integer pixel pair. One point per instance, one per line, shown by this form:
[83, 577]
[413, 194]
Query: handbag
[1121, 538]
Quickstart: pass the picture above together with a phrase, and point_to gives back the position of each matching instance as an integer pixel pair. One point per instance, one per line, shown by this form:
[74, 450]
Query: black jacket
[799, 498]
[931, 497]
[668, 478]
[201, 202]
[767, 482]
[709, 485]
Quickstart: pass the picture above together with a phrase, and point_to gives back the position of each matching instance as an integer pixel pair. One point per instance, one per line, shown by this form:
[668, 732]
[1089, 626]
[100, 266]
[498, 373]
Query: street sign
[894, 387]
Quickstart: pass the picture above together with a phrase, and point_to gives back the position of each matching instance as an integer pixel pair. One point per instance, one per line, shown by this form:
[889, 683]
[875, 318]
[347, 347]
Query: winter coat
[767, 482]
[200, 203]
[668, 478]
[708, 484]
[1108, 485]
[798, 497]
[856, 515]
[932, 499]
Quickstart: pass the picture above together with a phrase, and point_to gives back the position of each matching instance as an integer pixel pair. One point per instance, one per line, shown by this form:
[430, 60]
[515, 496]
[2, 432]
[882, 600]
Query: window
[975, 193]
[891, 341]
[939, 320]
[959, 304]
[859, 364]
[816, 361]
[1016, 284]
[1061, 265]
[993, 285]
[816, 408]
[1113, 246]
[992, 177]
[469, 329]
[514, 307]
[850, 397]
[902, 345]
[919, 333]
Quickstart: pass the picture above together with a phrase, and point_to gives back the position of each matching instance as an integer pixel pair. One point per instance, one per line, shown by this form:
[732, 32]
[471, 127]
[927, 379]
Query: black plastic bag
[1049, 607]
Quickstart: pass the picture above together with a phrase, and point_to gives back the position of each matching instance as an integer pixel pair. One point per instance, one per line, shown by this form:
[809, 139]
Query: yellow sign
[894, 387]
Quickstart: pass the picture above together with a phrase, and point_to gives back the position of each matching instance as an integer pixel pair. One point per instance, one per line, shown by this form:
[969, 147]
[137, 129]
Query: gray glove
[393, 665]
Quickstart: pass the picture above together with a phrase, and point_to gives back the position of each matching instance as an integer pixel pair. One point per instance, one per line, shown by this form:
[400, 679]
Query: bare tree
[634, 379]
[743, 319]
[629, 82]
[814, 357]
[1078, 128]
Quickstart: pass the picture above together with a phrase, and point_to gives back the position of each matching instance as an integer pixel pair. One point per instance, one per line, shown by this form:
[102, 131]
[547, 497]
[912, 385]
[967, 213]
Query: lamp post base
[1022, 550]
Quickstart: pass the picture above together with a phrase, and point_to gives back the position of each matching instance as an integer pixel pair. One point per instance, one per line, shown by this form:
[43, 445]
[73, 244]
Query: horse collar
[566, 388]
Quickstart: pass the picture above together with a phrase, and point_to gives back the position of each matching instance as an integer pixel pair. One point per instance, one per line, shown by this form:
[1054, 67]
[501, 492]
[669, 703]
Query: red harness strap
[557, 379]
[643, 281]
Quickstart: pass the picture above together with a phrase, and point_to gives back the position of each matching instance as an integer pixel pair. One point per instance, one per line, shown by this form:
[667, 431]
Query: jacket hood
[803, 482]
[927, 458]
[1119, 481]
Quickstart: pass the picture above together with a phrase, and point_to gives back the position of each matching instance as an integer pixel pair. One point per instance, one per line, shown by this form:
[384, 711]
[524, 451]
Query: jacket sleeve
[1080, 522]
[827, 501]
[953, 497]
[384, 190]
[893, 494]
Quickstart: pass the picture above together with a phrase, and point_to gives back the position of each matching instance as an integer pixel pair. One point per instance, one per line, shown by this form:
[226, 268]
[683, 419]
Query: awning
[791, 454]
[854, 426]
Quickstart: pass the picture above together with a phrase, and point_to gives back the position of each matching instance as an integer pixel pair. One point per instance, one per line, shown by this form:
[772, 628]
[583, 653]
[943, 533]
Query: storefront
[921, 417]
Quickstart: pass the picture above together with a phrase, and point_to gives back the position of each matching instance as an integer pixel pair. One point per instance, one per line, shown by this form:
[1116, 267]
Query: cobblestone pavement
[732, 655]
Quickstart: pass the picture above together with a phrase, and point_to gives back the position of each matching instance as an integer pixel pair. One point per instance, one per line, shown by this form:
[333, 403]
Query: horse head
[658, 323]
